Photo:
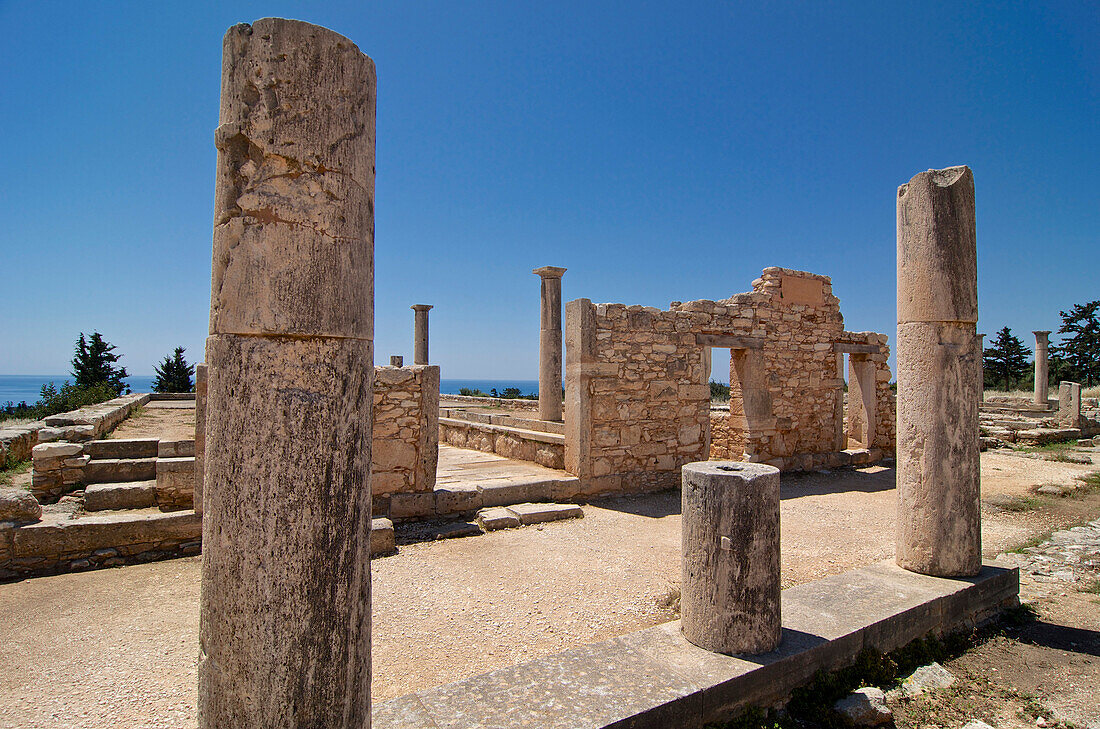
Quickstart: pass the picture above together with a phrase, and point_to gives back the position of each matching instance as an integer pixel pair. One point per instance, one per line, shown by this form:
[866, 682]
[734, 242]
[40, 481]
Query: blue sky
[659, 151]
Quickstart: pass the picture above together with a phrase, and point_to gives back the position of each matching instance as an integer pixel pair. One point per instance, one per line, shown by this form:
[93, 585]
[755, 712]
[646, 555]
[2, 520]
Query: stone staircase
[138, 474]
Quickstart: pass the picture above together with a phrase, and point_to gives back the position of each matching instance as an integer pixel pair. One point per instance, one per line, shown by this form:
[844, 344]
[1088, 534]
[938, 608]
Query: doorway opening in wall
[858, 417]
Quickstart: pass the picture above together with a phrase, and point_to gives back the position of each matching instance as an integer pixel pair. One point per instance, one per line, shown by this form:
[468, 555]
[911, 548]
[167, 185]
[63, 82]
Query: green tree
[1007, 360]
[94, 364]
[174, 374]
[1077, 358]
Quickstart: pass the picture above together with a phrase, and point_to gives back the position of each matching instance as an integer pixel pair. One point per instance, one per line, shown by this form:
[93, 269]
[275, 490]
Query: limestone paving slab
[538, 513]
[496, 518]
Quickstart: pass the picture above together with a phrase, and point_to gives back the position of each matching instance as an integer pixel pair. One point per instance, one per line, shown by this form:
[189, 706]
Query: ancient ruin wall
[406, 429]
[638, 404]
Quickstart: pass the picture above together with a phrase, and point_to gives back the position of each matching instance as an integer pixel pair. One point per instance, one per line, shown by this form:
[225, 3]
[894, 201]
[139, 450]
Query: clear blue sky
[659, 151]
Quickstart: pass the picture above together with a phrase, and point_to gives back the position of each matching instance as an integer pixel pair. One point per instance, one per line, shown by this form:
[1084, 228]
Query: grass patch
[1016, 504]
[1045, 448]
[9, 472]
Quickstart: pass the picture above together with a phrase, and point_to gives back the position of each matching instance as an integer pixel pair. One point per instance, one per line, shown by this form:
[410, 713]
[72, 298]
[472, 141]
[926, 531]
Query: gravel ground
[118, 647]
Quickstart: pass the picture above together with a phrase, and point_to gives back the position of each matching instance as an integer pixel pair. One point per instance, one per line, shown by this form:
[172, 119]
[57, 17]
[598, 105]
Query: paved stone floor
[461, 466]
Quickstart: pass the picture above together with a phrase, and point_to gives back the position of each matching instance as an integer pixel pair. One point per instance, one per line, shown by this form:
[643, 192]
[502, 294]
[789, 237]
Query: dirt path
[163, 419]
[117, 647]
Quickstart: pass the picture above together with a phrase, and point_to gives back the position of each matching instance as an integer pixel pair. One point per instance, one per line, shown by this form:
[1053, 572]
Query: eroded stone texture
[285, 613]
[294, 206]
[200, 434]
[1069, 404]
[1042, 369]
[938, 522]
[284, 623]
[729, 600]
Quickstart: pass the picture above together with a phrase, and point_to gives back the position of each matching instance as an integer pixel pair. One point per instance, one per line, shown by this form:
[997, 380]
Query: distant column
[550, 344]
[285, 614]
[200, 433]
[730, 586]
[938, 520]
[1042, 371]
[981, 367]
[420, 333]
[397, 360]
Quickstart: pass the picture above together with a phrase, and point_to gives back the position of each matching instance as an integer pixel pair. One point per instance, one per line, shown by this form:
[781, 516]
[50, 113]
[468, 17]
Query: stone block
[538, 513]
[45, 452]
[112, 496]
[409, 506]
[503, 493]
[87, 534]
[497, 518]
[382, 540]
[457, 500]
[19, 506]
[175, 483]
[175, 449]
[112, 470]
[122, 448]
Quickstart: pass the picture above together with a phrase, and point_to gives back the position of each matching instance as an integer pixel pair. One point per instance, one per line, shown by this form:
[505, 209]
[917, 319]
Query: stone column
[938, 519]
[284, 622]
[200, 433]
[550, 400]
[981, 367]
[420, 333]
[397, 360]
[1042, 371]
[729, 596]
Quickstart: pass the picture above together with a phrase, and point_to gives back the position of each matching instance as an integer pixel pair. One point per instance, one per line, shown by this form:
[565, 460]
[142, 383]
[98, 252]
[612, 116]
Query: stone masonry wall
[406, 429]
[638, 403]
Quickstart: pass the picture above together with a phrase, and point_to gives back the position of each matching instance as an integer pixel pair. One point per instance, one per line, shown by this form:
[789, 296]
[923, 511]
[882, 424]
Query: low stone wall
[495, 402]
[56, 469]
[405, 449]
[523, 439]
[175, 483]
[17, 443]
[69, 545]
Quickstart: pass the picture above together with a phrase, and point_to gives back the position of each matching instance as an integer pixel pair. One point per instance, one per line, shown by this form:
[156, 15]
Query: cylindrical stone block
[1042, 371]
[937, 257]
[420, 333]
[550, 343]
[938, 476]
[294, 204]
[729, 599]
[284, 623]
[200, 434]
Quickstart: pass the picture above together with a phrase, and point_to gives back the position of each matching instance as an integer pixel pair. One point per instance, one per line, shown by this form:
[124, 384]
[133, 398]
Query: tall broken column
[284, 623]
[550, 343]
[1042, 372]
[981, 366]
[938, 520]
[420, 333]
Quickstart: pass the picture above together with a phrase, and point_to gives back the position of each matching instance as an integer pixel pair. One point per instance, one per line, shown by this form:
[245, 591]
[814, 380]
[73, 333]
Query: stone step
[112, 470]
[506, 517]
[116, 496]
[122, 448]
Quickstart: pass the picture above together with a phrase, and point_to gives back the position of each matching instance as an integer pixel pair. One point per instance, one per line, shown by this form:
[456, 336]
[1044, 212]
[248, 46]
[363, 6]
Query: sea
[27, 388]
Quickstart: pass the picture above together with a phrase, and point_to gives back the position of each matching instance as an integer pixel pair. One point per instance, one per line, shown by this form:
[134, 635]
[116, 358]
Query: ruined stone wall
[406, 429]
[638, 404]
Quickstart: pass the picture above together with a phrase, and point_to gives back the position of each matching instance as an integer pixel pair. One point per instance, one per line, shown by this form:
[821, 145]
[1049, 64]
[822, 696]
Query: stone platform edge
[655, 678]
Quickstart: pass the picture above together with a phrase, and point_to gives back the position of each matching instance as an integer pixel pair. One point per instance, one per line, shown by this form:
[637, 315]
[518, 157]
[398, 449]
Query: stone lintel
[656, 678]
[729, 341]
[842, 347]
[549, 271]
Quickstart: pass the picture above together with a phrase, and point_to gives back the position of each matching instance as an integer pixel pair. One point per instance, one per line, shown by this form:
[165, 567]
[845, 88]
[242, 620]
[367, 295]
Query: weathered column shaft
[284, 623]
[200, 434]
[938, 478]
[981, 366]
[730, 588]
[1042, 372]
[550, 344]
[1069, 404]
[420, 333]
